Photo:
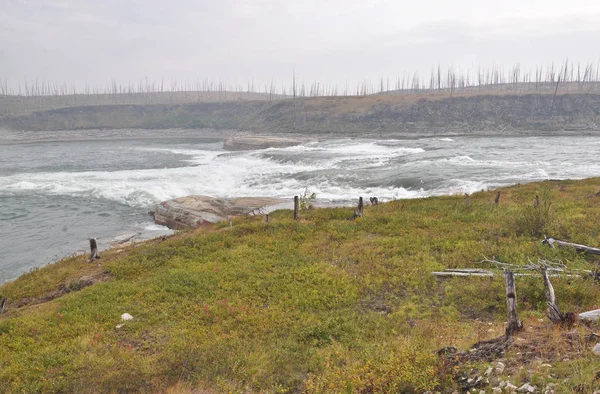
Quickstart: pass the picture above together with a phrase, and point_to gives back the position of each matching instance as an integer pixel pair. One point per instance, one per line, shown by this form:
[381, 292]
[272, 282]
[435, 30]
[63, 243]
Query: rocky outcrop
[194, 211]
[258, 142]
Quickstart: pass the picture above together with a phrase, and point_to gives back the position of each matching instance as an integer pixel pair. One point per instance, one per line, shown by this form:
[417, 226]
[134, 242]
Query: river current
[55, 195]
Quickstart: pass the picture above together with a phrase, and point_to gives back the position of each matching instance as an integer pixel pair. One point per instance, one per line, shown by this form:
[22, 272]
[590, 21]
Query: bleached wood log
[455, 273]
[590, 315]
[514, 325]
[552, 242]
[553, 312]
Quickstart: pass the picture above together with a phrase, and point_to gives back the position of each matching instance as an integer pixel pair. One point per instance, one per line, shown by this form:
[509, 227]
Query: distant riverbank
[375, 116]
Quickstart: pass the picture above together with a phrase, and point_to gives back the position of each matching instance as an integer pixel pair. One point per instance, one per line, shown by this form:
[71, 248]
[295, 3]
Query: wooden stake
[360, 206]
[296, 208]
[94, 250]
[514, 325]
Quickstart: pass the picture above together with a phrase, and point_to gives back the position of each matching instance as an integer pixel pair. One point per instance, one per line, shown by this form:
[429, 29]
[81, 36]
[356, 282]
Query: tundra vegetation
[323, 304]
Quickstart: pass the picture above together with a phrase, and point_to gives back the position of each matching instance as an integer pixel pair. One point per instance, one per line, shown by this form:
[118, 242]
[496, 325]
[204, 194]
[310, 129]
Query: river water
[54, 196]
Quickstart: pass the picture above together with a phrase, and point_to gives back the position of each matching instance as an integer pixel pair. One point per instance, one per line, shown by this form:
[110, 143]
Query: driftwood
[553, 312]
[514, 325]
[2, 305]
[464, 272]
[296, 208]
[593, 316]
[94, 250]
[553, 242]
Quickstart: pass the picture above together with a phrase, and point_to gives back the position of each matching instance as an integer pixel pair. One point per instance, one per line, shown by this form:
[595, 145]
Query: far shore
[9, 137]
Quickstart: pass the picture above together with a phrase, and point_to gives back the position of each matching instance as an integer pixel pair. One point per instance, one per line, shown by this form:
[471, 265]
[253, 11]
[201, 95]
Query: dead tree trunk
[553, 312]
[94, 250]
[580, 248]
[296, 208]
[514, 325]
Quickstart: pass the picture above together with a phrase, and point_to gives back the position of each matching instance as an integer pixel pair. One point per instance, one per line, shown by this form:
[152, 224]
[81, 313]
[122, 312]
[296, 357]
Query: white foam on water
[332, 169]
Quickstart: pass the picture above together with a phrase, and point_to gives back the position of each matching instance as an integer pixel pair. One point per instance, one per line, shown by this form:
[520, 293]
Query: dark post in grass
[296, 208]
[360, 207]
[2, 305]
[514, 325]
[94, 250]
[497, 200]
[468, 200]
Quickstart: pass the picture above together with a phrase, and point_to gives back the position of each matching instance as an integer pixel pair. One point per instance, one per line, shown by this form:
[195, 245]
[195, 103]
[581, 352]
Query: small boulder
[126, 317]
[527, 388]
[500, 368]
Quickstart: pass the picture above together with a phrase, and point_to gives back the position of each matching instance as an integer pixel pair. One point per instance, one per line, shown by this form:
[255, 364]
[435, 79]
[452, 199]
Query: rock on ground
[194, 211]
[258, 142]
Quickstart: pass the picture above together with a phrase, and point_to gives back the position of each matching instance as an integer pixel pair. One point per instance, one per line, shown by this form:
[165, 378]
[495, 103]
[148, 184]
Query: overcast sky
[332, 41]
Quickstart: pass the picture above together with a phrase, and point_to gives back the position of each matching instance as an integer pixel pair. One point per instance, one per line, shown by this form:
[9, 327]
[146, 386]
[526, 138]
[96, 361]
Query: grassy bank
[325, 304]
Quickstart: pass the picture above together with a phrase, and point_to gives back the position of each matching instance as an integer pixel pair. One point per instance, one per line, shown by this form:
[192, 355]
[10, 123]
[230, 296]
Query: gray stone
[500, 368]
[194, 211]
[527, 388]
[258, 142]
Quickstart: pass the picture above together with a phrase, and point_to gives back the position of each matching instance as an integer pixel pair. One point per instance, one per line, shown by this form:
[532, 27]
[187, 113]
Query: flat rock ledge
[195, 211]
[258, 142]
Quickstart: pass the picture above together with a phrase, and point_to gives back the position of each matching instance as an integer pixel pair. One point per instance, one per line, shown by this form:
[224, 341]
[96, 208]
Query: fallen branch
[593, 316]
[578, 247]
[553, 312]
[464, 272]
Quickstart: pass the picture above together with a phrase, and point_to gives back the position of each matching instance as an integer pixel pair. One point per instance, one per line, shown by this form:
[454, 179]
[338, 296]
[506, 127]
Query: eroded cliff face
[347, 116]
[195, 211]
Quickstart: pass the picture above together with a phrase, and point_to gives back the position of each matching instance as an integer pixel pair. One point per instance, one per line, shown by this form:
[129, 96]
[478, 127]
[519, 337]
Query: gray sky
[332, 41]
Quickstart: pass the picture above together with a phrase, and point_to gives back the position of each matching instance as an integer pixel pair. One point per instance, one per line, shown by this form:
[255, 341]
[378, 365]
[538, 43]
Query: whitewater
[55, 195]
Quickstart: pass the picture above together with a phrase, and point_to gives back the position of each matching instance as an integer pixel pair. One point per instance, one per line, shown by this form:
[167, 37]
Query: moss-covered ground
[321, 305]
